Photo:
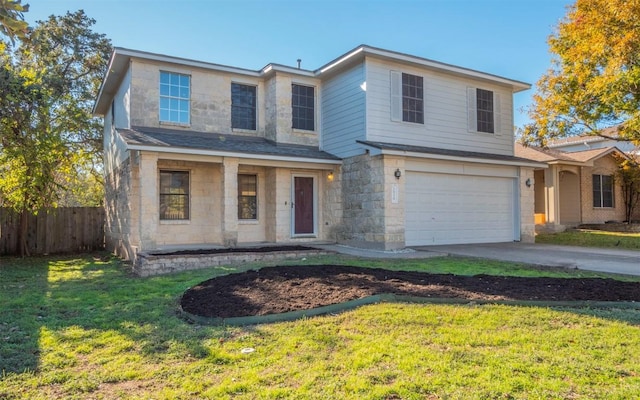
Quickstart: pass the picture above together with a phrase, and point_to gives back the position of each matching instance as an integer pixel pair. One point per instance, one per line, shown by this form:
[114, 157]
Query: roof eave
[218, 153]
[375, 150]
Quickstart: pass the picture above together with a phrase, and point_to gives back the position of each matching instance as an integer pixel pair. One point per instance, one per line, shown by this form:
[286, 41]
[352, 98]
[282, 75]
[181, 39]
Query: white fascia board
[271, 68]
[185, 61]
[177, 150]
[340, 60]
[531, 164]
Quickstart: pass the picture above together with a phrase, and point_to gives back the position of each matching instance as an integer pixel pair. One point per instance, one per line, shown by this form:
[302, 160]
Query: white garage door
[454, 209]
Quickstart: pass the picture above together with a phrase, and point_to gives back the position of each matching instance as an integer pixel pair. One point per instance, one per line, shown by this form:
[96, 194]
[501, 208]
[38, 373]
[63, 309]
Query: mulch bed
[276, 290]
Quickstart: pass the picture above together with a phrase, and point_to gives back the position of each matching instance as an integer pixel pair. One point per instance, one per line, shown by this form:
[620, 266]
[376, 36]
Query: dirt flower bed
[276, 290]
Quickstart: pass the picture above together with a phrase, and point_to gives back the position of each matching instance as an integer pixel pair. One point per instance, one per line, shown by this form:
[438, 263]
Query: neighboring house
[589, 142]
[579, 187]
[375, 149]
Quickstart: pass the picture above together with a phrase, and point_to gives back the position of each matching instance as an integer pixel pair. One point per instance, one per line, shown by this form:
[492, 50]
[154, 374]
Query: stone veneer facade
[527, 206]
[370, 219]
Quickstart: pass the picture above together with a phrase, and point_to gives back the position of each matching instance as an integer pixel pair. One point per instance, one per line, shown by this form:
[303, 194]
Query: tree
[48, 136]
[629, 175]
[594, 81]
[12, 22]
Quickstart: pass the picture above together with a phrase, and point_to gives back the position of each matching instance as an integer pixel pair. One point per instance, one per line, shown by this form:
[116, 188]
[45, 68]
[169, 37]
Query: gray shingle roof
[181, 139]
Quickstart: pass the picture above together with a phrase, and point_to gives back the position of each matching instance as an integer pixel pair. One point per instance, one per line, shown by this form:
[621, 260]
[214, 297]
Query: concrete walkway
[585, 258]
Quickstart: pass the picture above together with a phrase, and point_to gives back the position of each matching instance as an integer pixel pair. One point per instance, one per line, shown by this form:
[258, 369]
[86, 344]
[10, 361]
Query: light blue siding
[343, 112]
[445, 103]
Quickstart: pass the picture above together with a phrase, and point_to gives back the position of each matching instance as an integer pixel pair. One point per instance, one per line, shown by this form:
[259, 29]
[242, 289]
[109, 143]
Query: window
[243, 106]
[407, 97]
[247, 196]
[484, 110]
[602, 191]
[174, 195]
[303, 107]
[412, 99]
[175, 91]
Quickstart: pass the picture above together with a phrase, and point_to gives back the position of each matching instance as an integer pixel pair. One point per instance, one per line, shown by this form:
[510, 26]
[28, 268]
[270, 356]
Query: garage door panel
[453, 209]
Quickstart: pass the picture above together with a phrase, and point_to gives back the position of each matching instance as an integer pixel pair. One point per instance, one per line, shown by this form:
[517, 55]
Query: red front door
[303, 205]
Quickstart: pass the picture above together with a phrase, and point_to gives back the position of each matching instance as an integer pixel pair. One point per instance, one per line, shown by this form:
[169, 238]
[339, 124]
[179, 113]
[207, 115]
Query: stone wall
[150, 265]
[370, 219]
[118, 213]
[527, 206]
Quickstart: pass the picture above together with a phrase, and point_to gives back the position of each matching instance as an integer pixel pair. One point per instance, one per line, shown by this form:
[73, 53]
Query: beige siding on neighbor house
[569, 198]
[595, 215]
[445, 112]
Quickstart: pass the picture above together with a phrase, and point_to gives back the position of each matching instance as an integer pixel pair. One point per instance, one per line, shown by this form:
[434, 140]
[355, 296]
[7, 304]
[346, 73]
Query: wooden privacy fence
[58, 230]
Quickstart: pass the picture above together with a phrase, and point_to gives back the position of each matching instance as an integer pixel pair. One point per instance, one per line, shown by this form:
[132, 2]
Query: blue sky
[502, 37]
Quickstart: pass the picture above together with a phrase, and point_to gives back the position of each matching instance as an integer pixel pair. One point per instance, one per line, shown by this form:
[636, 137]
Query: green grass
[84, 328]
[592, 238]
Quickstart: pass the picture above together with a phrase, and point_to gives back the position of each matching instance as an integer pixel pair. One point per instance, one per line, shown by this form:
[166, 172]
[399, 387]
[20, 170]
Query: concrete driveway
[586, 258]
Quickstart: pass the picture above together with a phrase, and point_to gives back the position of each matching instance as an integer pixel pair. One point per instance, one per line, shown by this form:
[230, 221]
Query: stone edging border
[389, 298]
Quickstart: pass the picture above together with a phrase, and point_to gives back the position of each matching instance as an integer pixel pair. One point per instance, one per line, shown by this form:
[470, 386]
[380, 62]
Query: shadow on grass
[46, 299]
[23, 293]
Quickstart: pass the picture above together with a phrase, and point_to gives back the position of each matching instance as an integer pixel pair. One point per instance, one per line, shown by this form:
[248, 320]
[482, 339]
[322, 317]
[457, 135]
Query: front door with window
[303, 206]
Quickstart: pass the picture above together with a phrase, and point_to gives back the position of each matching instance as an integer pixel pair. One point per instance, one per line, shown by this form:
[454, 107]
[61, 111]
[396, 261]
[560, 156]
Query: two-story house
[375, 149]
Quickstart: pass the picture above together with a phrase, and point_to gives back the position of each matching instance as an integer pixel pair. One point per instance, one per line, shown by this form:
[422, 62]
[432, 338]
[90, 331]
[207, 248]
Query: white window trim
[613, 193]
[176, 72]
[315, 109]
[395, 85]
[472, 115]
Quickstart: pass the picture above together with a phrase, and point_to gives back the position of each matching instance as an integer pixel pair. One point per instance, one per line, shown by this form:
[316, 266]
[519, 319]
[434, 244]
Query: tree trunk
[22, 233]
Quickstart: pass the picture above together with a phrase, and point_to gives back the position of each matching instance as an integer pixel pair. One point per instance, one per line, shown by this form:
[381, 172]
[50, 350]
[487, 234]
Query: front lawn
[83, 328]
[592, 238]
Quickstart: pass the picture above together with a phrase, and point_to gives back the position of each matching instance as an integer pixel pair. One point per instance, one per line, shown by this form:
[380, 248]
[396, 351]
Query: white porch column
[230, 202]
[149, 200]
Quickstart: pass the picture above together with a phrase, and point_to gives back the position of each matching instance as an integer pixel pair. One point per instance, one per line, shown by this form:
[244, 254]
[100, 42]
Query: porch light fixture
[528, 182]
[330, 176]
[397, 174]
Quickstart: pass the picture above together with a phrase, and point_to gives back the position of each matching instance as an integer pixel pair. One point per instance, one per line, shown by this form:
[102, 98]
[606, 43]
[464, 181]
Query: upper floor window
[602, 191]
[303, 107]
[174, 195]
[407, 97]
[243, 106]
[175, 92]
[483, 110]
[247, 196]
